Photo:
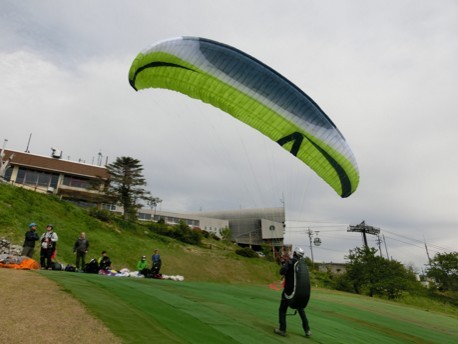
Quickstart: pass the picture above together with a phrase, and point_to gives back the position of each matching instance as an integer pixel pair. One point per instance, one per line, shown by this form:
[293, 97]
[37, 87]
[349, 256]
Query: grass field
[161, 311]
[225, 298]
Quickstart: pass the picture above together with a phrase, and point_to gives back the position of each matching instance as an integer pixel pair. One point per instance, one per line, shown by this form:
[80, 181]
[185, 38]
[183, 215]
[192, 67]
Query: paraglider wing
[255, 94]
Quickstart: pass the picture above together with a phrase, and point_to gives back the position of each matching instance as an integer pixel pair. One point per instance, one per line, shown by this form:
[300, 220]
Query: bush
[179, 232]
[101, 214]
[374, 275]
[247, 252]
[214, 237]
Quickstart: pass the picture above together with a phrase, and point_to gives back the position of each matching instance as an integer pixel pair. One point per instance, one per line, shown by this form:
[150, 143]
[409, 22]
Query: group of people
[48, 244]
[154, 272]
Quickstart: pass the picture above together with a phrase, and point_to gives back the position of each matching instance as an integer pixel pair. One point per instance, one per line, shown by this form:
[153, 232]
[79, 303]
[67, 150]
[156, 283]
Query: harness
[299, 297]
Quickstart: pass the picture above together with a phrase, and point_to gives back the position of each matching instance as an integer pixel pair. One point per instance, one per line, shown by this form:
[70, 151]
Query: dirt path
[35, 310]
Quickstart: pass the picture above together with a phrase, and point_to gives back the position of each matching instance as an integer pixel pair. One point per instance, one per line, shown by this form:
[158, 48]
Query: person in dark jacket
[104, 261]
[31, 236]
[157, 262]
[80, 248]
[287, 271]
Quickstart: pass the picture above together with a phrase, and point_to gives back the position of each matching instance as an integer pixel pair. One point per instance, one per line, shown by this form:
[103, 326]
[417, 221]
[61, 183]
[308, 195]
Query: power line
[418, 241]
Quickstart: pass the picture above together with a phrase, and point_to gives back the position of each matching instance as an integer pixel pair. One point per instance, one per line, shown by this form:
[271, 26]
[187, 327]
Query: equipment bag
[300, 295]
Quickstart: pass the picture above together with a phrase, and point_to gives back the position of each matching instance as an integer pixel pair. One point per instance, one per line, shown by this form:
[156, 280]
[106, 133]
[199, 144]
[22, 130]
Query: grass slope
[125, 243]
[215, 304]
[141, 310]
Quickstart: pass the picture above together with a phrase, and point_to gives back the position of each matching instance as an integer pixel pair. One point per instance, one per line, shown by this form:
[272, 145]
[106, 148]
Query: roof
[55, 165]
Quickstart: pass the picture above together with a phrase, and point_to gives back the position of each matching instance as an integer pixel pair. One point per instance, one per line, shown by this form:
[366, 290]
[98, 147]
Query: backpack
[57, 266]
[92, 267]
[299, 297]
[70, 268]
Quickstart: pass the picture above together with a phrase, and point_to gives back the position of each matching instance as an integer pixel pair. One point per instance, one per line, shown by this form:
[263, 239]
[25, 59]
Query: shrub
[101, 214]
[247, 252]
[179, 232]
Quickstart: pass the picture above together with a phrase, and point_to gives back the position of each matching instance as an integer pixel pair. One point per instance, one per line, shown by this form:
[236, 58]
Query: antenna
[28, 144]
[99, 159]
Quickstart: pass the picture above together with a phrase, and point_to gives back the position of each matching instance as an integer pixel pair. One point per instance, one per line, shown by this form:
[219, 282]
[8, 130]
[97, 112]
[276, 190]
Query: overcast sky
[384, 71]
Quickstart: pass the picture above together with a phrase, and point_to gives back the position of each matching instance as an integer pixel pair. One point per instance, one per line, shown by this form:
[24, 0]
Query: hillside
[125, 243]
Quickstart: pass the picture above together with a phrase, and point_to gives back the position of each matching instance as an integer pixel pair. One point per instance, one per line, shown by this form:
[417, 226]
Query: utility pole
[310, 234]
[386, 249]
[379, 244]
[363, 229]
[427, 252]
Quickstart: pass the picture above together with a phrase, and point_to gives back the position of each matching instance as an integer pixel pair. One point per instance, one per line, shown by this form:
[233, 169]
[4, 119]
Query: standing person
[157, 262]
[48, 247]
[104, 261]
[142, 266]
[288, 272]
[80, 248]
[31, 236]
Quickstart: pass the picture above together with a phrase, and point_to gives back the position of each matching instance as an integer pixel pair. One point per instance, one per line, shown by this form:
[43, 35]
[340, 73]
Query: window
[20, 175]
[36, 178]
[143, 216]
[111, 207]
[76, 182]
[8, 173]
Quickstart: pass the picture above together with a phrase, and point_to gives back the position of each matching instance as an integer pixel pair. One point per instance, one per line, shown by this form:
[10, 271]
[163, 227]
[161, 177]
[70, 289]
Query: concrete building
[334, 268]
[211, 225]
[253, 227]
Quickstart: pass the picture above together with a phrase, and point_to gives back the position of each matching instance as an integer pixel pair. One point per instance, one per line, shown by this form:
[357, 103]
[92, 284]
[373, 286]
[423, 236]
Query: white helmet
[299, 252]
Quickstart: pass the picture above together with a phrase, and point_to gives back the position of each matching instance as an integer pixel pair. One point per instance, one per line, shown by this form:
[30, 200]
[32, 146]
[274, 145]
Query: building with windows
[69, 180]
[253, 227]
[208, 224]
[74, 181]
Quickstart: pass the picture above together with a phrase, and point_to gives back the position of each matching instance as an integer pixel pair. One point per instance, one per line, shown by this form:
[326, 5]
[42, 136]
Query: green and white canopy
[255, 94]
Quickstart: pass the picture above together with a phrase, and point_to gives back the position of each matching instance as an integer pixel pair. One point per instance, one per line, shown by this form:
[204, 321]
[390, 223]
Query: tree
[225, 233]
[375, 275]
[444, 269]
[125, 185]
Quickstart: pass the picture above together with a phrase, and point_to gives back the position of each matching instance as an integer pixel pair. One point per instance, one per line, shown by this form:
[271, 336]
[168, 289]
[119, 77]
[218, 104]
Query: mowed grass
[163, 311]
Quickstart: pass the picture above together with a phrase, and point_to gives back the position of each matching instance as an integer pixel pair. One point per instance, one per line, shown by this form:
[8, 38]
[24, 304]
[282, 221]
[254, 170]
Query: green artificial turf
[163, 311]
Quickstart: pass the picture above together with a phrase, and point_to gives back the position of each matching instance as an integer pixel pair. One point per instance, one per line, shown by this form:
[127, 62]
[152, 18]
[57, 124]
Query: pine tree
[126, 185]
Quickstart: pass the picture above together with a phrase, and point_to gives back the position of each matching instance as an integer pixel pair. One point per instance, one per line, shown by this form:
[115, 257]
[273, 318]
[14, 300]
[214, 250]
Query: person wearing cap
[48, 247]
[80, 249]
[287, 271]
[31, 236]
[142, 266]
